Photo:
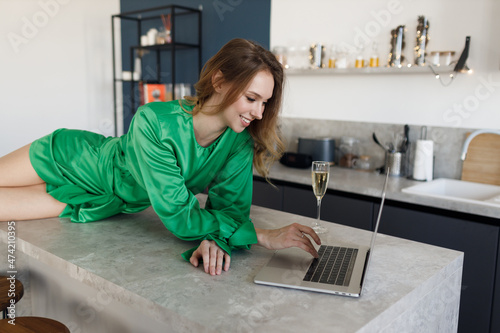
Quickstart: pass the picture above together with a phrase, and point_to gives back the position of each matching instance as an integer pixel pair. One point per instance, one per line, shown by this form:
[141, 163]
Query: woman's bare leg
[16, 169]
[28, 203]
[22, 191]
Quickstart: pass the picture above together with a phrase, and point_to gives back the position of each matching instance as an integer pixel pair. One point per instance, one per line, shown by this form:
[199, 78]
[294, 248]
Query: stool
[33, 325]
[23, 324]
[7, 293]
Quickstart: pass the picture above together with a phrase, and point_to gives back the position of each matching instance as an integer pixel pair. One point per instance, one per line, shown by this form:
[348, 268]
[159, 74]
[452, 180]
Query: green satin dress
[157, 163]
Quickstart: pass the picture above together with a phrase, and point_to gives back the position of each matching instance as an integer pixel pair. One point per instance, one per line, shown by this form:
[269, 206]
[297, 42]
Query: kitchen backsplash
[448, 141]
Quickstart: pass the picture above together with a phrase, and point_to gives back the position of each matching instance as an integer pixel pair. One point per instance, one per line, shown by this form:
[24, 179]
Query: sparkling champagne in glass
[320, 173]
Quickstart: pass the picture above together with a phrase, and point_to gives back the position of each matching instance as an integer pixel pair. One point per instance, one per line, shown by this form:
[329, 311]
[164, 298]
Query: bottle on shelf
[280, 52]
[374, 61]
[331, 57]
[360, 60]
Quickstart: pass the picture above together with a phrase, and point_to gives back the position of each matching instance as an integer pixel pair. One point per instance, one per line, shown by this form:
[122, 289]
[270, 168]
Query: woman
[172, 151]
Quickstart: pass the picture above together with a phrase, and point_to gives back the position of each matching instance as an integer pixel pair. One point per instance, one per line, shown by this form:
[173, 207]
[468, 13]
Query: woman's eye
[250, 99]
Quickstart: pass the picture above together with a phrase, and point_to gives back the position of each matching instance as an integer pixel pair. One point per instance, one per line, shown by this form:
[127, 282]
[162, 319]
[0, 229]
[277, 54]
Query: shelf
[168, 46]
[138, 15]
[151, 56]
[370, 70]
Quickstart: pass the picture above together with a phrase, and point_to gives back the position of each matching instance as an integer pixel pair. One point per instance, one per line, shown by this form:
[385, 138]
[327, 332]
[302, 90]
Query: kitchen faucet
[472, 136]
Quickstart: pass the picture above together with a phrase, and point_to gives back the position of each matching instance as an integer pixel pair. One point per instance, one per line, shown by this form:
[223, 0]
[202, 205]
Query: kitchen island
[125, 274]
[352, 199]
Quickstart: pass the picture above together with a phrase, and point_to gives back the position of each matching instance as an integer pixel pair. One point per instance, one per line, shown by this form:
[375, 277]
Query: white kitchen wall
[56, 68]
[471, 101]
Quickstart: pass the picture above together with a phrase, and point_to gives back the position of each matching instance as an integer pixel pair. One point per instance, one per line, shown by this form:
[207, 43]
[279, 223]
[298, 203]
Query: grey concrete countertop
[136, 261]
[370, 184]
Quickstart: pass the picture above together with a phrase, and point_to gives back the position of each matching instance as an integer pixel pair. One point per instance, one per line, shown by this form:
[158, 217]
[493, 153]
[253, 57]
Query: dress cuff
[242, 238]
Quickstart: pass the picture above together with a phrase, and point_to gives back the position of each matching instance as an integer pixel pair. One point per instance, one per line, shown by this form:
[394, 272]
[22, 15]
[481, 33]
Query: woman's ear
[217, 81]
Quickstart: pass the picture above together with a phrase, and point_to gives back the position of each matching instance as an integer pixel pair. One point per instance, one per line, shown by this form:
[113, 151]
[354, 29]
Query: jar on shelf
[374, 61]
[359, 62]
[349, 150]
[331, 57]
[163, 37]
[152, 36]
[362, 163]
[341, 59]
[303, 56]
[280, 53]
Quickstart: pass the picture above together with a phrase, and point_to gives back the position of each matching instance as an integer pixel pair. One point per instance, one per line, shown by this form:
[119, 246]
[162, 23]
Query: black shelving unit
[142, 19]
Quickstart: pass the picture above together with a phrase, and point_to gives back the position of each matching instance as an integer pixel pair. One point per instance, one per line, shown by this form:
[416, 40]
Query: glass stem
[319, 209]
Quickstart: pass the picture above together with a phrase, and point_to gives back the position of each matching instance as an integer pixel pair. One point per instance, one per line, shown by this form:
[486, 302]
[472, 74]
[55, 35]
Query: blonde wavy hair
[239, 61]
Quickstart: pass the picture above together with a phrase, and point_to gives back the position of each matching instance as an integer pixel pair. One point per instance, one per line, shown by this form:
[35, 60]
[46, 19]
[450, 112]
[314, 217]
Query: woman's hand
[289, 236]
[213, 257]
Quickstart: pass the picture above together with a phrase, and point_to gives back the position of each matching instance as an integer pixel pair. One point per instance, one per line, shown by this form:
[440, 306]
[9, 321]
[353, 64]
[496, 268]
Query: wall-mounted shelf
[370, 70]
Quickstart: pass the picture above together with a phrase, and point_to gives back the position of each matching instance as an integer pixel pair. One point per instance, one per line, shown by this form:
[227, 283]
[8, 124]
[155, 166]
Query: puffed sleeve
[225, 218]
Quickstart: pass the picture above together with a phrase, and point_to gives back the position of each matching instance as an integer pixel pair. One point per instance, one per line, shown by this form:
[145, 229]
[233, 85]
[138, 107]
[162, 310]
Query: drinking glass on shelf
[320, 174]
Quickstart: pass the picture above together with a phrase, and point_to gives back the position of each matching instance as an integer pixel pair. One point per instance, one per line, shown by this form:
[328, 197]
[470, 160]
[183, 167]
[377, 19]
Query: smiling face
[251, 104]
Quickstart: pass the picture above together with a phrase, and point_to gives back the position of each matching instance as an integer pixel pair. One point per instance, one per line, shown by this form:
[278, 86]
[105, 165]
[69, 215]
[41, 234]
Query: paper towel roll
[424, 159]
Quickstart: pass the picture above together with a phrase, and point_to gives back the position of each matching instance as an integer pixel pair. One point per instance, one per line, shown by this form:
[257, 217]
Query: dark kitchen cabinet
[300, 201]
[340, 207]
[495, 312]
[478, 241]
[267, 195]
[337, 207]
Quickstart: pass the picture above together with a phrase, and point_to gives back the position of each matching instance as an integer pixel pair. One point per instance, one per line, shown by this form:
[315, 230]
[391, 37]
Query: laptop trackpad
[291, 258]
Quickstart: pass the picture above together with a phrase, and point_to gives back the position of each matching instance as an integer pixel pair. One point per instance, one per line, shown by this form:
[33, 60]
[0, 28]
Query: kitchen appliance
[320, 148]
[295, 160]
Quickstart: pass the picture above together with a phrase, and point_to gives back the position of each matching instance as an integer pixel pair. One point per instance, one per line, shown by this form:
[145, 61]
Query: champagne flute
[320, 173]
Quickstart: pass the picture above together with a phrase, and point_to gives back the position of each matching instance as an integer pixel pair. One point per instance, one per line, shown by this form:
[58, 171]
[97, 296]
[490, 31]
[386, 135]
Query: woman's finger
[310, 231]
[310, 247]
[227, 260]
[205, 254]
[303, 241]
[305, 244]
[213, 258]
[194, 259]
[220, 261]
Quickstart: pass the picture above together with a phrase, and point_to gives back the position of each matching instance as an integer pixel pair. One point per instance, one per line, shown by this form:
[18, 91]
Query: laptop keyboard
[333, 266]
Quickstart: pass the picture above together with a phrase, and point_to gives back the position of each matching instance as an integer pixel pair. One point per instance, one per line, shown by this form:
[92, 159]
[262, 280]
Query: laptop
[340, 269]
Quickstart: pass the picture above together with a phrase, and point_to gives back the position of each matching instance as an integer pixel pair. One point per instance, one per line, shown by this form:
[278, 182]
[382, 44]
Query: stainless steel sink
[458, 190]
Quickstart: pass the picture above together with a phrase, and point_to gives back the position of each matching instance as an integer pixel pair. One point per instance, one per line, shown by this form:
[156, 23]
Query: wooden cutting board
[482, 164]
